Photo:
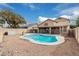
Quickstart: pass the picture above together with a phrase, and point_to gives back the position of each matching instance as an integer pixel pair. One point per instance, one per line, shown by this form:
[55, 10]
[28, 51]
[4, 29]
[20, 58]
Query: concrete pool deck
[14, 46]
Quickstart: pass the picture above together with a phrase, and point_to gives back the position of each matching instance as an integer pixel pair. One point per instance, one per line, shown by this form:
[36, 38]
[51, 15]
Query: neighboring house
[23, 25]
[60, 25]
[32, 28]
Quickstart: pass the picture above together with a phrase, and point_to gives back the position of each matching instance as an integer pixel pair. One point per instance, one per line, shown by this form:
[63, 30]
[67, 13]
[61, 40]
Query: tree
[12, 18]
[1, 21]
[77, 22]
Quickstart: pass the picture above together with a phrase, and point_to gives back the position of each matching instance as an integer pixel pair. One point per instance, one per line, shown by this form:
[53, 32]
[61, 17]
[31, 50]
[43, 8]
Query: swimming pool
[44, 39]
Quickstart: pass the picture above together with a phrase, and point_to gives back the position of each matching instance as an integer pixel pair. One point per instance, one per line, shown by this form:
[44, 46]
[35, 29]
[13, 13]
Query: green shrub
[77, 22]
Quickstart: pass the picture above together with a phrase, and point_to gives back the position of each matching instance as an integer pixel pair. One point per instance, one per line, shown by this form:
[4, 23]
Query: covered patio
[52, 30]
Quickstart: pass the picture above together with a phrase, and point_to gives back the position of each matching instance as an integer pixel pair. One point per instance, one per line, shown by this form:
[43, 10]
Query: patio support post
[67, 29]
[60, 29]
[50, 30]
[38, 30]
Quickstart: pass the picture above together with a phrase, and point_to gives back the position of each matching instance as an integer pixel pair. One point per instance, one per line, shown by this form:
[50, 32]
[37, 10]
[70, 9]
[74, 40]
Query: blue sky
[34, 12]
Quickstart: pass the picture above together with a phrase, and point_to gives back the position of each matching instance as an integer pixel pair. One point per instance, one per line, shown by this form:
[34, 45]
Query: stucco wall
[32, 27]
[61, 24]
[11, 32]
[1, 35]
[15, 31]
[77, 34]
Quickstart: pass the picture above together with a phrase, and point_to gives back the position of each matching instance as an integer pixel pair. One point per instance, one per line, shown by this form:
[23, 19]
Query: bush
[6, 33]
[77, 22]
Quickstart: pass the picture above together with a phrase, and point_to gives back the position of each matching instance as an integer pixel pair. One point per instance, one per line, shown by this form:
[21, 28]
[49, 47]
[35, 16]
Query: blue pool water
[41, 38]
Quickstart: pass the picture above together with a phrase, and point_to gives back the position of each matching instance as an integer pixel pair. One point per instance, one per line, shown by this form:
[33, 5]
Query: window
[56, 22]
[46, 24]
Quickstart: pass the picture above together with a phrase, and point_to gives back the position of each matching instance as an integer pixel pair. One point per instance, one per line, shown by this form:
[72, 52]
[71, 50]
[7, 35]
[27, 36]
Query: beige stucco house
[32, 28]
[58, 26]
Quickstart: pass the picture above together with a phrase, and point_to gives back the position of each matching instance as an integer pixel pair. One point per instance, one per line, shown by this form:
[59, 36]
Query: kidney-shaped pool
[44, 39]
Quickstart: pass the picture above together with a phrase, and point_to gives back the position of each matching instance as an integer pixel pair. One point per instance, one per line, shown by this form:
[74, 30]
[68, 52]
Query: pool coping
[60, 39]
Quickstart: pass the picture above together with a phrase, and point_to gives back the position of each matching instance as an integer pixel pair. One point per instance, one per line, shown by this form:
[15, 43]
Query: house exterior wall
[32, 27]
[54, 24]
[59, 23]
[50, 24]
[62, 24]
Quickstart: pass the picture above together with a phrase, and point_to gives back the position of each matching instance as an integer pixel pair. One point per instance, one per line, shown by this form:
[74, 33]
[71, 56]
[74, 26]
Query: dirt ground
[14, 46]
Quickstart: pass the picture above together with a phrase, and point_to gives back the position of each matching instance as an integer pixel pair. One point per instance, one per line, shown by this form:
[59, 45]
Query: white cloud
[31, 6]
[76, 12]
[41, 19]
[61, 6]
[71, 13]
[52, 18]
[6, 5]
[69, 10]
[72, 22]
[74, 17]
[66, 16]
